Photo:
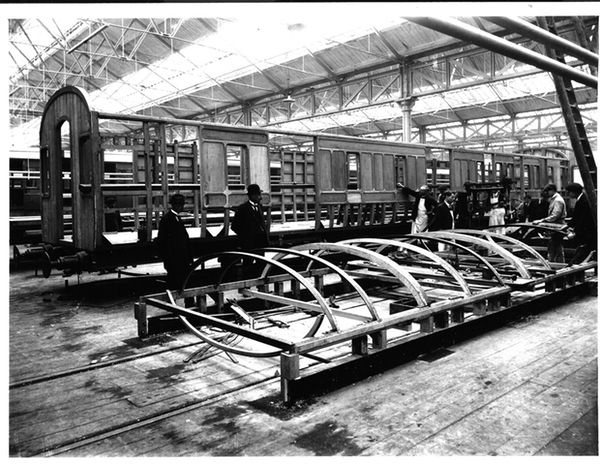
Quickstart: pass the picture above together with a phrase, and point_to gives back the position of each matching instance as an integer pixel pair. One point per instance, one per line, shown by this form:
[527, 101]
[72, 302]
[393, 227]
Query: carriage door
[230, 160]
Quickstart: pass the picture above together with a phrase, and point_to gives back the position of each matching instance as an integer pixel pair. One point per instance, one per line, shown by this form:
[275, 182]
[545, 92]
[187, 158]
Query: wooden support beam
[290, 370]
[457, 315]
[493, 305]
[283, 300]
[141, 315]
[295, 289]
[359, 345]
[278, 288]
[380, 339]
[319, 283]
[201, 303]
[478, 308]
[426, 325]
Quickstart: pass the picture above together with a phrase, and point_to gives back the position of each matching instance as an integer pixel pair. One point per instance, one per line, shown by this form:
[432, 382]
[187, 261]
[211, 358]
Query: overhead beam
[547, 38]
[89, 37]
[483, 39]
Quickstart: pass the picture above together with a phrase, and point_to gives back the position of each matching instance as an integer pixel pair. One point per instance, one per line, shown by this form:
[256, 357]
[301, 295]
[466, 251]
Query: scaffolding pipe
[534, 32]
[483, 39]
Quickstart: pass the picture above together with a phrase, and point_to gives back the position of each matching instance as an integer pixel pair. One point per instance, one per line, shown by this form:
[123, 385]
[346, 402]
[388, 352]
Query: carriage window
[510, 171]
[488, 166]
[551, 174]
[400, 170]
[430, 169]
[479, 171]
[353, 167]
[536, 178]
[526, 177]
[235, 166]
[45, 171]
[517, 172]
[499, 173]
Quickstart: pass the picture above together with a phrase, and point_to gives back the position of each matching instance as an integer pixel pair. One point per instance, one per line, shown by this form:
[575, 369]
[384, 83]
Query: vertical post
[426, 324]
[295, 289]
[290, 370]
[147, 178]
[478, 308]
[278, 288]
[359, 345]
[318, 283]
[201, 303]
[379, 339]
[141, 315]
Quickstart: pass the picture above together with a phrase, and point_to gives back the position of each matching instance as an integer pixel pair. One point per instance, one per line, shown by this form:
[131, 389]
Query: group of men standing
[428, 214]
[174, 243]
[433, 215]
[580, 227]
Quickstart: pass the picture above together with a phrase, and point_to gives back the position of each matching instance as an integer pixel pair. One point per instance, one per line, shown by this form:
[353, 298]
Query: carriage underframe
[322, 306]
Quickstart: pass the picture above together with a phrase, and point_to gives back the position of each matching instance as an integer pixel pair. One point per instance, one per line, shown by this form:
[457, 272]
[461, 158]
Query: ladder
[574, 122]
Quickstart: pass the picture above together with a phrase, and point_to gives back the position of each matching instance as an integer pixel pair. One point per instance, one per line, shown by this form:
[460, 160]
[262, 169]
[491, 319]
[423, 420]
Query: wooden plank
[300, 304]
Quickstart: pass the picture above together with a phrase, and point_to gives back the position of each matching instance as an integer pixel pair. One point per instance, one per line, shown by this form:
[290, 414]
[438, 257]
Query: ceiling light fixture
[289, 99]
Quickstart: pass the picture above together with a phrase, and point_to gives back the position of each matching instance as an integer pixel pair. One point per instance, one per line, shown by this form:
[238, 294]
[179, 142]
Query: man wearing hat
[557, 212]
[173, 244]
[249, 224]
[422, 208]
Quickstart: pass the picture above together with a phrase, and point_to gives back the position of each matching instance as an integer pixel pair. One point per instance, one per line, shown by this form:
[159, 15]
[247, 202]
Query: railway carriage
[316, 186]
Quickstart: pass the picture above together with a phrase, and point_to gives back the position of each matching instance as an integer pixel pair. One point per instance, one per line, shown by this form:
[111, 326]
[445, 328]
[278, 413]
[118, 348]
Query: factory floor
[83, 385]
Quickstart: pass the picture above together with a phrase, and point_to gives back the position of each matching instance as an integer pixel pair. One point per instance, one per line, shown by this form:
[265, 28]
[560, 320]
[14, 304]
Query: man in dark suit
[443, 215]
[250, 226]
[173, 244]
[582, 229]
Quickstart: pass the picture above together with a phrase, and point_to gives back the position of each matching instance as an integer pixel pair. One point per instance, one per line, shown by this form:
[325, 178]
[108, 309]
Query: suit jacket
[173, 241]
[250, 226]
[582, 222]
[537, 210]
[442, 218]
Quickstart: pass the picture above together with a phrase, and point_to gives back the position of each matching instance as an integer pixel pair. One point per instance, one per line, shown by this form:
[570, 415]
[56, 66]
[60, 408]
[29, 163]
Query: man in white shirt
[422, 208]
[557, 212]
